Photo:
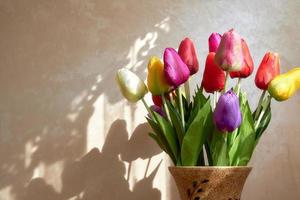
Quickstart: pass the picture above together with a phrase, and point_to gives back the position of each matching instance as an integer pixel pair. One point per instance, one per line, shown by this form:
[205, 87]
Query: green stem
[262, 113]
[187, 90]
[262, 96]
[180, 107]
[150, 111]
[226, 80]
[208, 154]
[238, 86]
[165, 107]
[214, 100]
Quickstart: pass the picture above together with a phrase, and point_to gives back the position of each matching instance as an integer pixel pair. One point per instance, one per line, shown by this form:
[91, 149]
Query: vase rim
[210, 167]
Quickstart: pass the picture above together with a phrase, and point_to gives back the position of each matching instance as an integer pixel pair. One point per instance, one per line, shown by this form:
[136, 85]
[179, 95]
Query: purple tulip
[158, 110]
[227, 115]
[214, 42]
[176, 71]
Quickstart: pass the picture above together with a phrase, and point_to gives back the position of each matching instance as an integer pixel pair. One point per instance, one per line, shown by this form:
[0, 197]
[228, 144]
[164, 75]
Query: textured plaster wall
[66, 132]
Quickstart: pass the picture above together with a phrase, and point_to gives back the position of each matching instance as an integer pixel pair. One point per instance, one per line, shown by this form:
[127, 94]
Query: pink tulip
[229, 55]
[176, 71]
[214, 41]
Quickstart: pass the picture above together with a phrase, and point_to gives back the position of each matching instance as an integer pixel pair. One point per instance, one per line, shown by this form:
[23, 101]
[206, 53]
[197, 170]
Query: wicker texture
[210, 183]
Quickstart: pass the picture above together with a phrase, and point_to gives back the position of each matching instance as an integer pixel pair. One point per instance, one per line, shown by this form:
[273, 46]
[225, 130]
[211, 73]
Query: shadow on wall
[65, 54]
[101, 175]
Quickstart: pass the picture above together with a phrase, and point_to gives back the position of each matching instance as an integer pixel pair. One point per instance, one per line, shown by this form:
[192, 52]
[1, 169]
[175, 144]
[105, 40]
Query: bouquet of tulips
[216, 128]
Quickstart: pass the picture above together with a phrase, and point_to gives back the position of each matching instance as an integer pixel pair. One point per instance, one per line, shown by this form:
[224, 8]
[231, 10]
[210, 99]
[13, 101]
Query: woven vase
[210, 183]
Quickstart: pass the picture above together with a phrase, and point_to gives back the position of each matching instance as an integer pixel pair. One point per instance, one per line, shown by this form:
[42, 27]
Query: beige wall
[59, 99]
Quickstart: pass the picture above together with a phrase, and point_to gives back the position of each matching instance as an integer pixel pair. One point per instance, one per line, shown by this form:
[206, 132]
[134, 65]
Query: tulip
[156, 80]
[213, 76]
[285, 85]
[157, 100]
[267, 70]
[176, 71]
[214, 41]
[248, 65]
[131, 86]
[158, 110]
[227, 115]
[229, 55]
[188, 55]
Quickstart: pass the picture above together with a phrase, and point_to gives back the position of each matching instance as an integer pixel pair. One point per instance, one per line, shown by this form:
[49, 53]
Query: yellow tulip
[156, 80]
[131, 86]
[285, 85]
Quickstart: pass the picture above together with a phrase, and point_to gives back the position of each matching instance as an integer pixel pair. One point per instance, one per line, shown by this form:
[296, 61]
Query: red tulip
[188, 55]
[268, 69]
[157, 100]
[247, 66]
[213, 76]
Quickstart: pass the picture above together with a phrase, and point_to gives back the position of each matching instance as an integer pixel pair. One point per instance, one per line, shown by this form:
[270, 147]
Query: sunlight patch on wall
[151, 170]
[6, 192]
[142, 46]
[164, 25]
[95, 129]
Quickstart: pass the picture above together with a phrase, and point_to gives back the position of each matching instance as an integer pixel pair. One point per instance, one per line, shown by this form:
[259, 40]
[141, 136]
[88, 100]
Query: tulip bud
[131, 86]
[213, 76]
[227, 115]
[188, 55]
[156, 80]
[157, 100]
[267, 70]
[176, 71]
[214, 41]
[285, 85]
[158, 110]
[229, 55]
[248, 65]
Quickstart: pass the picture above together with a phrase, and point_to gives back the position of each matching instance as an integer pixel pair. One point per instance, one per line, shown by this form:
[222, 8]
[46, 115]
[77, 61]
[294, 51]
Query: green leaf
[195, 136]
[176, 121]
[158, 141]
[264, 123]
[169, 134]
[199, 101]
[162, 138]
[218, 148]
[208, 153]
[243, 146]
[187, 107]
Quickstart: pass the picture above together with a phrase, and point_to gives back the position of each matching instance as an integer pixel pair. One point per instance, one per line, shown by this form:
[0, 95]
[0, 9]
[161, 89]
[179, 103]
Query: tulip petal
[227, 115]
[187, 53]
[158, 110]
[214, 41]
[156, 80]
[248, 65]
[284, 86]
[213, 76]
[176, 71]
[229, 55]
[131, 86]
[267, 70]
